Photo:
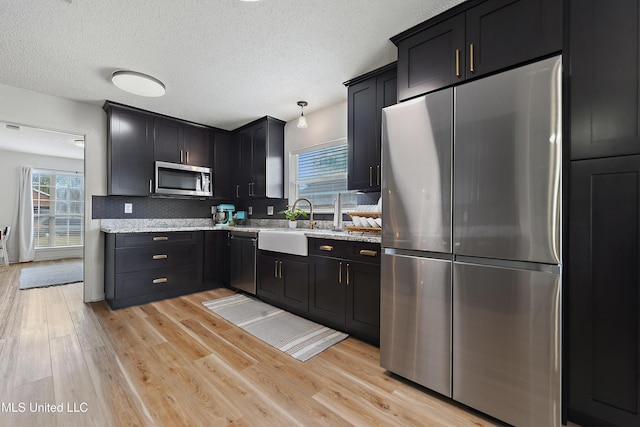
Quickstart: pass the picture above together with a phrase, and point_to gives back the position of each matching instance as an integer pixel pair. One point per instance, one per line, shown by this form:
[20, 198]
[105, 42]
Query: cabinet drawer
[155, 281]
[147, 239]
[152, 257]
[327, 247]
[364, 252]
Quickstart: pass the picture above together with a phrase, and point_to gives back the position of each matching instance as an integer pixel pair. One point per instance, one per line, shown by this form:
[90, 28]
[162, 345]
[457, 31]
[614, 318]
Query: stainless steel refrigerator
[471, 264]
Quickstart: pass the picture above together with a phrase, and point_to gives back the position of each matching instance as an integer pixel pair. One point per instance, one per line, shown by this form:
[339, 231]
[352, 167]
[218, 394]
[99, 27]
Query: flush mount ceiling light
[302, 120]
[138, 83]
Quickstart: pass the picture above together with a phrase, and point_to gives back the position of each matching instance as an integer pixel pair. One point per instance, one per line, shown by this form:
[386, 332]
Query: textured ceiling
[224, 62]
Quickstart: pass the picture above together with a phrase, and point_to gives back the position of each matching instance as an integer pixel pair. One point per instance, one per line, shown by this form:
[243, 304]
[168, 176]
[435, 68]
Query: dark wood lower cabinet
[604, 292]
[216, 258]
[284, 280]
[144, 267]
[345, 287]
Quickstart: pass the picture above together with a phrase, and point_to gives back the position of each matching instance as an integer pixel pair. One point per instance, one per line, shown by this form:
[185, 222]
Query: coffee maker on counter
[224, 214]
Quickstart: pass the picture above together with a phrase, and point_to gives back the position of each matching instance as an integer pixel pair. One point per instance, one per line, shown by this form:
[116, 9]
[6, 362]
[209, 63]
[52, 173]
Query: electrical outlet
[128, 208]
[269, 210]
[250, 210]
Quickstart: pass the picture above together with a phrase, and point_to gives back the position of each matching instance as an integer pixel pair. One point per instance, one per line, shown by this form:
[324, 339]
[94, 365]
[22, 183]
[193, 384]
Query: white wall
[10, 164]
[324, 125]
[34, 109]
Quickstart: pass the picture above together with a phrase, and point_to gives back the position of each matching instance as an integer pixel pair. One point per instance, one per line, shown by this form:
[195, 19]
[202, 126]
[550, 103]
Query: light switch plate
[269, 210]
[128, 208]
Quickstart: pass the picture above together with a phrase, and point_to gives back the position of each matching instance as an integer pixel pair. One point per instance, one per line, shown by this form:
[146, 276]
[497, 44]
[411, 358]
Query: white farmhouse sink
[285, 241]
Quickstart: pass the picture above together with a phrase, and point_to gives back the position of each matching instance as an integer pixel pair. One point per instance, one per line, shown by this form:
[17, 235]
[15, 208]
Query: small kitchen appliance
[224, 214]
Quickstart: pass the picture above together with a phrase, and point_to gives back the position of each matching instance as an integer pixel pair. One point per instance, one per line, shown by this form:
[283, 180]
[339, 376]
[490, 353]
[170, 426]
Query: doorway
[57, 161]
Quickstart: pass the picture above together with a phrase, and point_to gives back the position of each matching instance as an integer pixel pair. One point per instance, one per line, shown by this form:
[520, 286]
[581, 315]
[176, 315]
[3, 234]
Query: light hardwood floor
[175, 363]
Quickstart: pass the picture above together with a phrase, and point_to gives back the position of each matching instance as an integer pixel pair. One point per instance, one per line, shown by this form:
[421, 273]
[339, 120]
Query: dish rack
[369, 228]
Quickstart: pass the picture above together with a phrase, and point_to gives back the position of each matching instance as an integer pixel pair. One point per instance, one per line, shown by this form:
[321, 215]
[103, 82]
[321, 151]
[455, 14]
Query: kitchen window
[319, 173]
[58, 208]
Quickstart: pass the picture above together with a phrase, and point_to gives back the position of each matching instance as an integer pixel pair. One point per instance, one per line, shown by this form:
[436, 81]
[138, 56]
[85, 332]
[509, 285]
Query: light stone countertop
[203, 224]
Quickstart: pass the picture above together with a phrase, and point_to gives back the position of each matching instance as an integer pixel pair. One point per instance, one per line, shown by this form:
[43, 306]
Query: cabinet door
[361, 133]
[216, 257]
[363, 300]
[269, 284]
[259, 160]
[502, 33]
[327, 300]
[605, 78]
[295, 284]
[197, 146]
[246, 166]
[222, 166]
[432, 59]
[167, 140]
[130, 153]
[603, 294]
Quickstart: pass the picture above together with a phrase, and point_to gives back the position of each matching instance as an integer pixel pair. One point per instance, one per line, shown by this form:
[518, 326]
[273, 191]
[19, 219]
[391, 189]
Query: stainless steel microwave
[183, 180]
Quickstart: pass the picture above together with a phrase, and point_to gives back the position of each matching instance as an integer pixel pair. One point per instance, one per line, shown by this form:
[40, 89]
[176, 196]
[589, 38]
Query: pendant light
[138, 83]
[302, 120]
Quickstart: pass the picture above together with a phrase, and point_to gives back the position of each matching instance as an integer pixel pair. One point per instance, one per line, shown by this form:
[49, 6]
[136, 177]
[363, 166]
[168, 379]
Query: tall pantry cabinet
[603, 293]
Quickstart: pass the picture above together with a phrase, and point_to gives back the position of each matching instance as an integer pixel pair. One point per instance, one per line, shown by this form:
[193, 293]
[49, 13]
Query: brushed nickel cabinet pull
[160, 256]
[238, 191]
[340, 274]
[457, 62]
[370, 176]
[275, 271]
[471, 58]
[378, 174]
[150, 187]
[181, 157]
[160, 280]
[367, 252]
[326, 248]
[280, 269]
[187, 156]
[347, 274]
[157, 238]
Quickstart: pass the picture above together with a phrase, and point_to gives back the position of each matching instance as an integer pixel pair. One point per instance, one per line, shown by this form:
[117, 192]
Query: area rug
[300, 338]
[51, 275]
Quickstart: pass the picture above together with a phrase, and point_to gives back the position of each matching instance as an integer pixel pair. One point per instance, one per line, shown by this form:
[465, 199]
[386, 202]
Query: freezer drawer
[507, 157]
[416, 173]
[415, 319]
[506, 343]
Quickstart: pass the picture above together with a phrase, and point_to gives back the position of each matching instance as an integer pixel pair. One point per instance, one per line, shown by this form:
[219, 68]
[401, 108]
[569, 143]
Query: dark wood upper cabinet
[179, 142]
[222, 165]
[474, 39]
[432, 59]
[258, 160]
[503, 33]
[605, 78]
[130, 151]
[367, 95]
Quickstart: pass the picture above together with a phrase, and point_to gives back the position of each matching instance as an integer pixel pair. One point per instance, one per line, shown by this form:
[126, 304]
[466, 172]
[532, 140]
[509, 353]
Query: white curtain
[26, 247]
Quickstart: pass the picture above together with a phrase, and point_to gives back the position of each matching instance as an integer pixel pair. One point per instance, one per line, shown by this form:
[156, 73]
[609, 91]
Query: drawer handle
[326, 248]
[160, 280]
[155, 239]
[367, 252]
[160, 256]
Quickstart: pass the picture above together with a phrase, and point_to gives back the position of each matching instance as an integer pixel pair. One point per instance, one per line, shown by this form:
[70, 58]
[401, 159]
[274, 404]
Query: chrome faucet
[293, 208]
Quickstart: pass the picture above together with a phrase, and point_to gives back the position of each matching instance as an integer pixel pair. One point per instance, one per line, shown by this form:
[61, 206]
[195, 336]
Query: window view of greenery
[58, 209]
[319, 174]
